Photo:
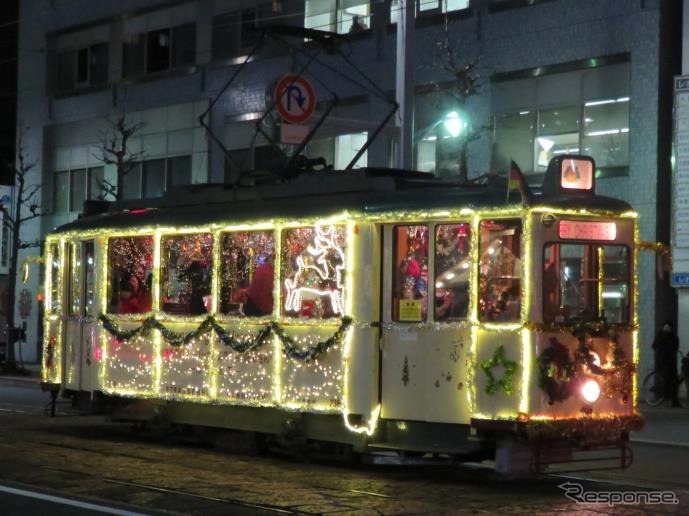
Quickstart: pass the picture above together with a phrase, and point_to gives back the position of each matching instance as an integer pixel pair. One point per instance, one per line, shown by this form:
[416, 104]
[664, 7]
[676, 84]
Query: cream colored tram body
[399, 314]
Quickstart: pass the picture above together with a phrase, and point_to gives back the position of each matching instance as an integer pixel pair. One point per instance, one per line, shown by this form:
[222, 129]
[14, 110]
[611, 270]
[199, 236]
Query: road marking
[67, 501]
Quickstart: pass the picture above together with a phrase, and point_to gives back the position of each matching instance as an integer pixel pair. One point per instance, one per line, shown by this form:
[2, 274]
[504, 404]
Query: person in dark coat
[665, 347]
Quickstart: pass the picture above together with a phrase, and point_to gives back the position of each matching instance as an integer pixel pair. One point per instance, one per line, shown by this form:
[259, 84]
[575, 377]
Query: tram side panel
[362, 364]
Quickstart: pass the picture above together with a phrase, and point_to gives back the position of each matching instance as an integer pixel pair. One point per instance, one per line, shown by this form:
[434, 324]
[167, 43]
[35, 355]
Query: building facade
[548, 77]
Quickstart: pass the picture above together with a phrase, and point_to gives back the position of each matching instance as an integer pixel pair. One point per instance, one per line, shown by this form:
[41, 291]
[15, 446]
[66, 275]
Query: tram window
[581, 282]
[246, 273]
[186, 266]
[313, 271]
[55, 265]
[75, 278]
[452, 269]
[130, 264]
[90, 283]
[410, 275]
[500, 270]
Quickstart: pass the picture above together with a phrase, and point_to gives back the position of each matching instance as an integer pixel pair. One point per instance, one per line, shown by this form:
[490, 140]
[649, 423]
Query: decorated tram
[383, 312]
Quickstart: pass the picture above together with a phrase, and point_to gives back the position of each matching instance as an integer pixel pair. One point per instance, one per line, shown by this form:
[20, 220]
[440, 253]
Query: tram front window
[583, 282]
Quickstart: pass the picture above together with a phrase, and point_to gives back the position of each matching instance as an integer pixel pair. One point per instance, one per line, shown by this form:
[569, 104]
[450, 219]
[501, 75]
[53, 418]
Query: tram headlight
[590, 391]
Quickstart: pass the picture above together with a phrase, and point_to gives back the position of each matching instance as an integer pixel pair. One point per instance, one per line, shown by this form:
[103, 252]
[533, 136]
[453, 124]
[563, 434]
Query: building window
[155, 177]
[341, 16]
[583, 111]
[234, 34]
[338, 151]
[159, 50]
[73, 187]
[82, 68]
[426, 7]
[597, 128]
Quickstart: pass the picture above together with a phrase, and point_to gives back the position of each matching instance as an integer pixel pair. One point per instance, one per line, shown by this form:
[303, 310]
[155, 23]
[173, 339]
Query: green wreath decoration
[506, 383]
[556, 372]
[210, 323]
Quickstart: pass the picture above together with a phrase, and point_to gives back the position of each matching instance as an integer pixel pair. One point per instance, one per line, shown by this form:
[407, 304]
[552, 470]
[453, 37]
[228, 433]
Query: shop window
[82, 68]
[159, 50]
[246, 273]
[410, 274]
[583, 282]
[313, 271]
[500, 270]
[186, 271]
[452, 270]
[73, 187]
[130, 268]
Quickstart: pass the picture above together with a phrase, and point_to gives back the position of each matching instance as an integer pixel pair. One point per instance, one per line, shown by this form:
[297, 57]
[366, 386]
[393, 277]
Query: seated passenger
[130, 295]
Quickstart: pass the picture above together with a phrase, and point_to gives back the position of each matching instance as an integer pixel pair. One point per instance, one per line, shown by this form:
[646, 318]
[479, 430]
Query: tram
[385, 312]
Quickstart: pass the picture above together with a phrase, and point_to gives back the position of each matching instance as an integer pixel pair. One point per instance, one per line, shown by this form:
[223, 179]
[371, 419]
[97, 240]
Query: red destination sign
[583, 230]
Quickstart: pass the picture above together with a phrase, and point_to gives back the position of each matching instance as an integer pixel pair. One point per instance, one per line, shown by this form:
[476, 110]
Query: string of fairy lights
[290, 359]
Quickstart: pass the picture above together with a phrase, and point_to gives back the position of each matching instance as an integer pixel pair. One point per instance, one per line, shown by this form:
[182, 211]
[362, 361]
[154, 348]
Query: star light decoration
[509, 367]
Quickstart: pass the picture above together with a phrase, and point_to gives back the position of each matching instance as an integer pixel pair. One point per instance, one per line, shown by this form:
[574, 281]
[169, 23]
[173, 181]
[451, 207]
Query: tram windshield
[582, 282]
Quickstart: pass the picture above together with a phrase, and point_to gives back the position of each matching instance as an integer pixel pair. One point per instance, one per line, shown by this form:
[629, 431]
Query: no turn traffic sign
[294, 98]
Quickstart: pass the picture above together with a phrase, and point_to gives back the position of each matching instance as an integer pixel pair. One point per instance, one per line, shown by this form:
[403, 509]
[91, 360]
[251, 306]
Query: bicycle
[653, 387]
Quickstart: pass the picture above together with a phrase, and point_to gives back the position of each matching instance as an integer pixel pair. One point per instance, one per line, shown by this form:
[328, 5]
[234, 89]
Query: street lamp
[454, 124]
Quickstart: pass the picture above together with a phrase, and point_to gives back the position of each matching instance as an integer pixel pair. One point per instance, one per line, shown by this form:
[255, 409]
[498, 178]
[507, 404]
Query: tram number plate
[582, 230]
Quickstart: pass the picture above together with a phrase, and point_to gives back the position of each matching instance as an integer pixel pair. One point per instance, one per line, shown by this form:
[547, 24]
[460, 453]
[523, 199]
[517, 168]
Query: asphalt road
[86, 459]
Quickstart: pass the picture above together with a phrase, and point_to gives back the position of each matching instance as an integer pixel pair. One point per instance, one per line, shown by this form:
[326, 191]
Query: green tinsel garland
[210, 323]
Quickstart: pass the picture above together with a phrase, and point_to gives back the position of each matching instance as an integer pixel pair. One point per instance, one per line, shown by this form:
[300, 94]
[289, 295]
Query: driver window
[500, 270]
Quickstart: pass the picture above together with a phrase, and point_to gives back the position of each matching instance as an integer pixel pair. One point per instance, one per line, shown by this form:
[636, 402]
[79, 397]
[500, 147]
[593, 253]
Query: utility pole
[405, 82]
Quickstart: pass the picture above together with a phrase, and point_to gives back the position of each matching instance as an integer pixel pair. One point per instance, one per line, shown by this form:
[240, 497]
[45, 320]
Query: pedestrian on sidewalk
[665, 347]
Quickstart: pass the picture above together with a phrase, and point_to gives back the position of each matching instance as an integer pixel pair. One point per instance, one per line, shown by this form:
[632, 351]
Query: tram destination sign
[680, 185]
[584, 230]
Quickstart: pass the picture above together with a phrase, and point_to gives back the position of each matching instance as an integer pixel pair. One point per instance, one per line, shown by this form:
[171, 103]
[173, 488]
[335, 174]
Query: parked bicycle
[653, 388]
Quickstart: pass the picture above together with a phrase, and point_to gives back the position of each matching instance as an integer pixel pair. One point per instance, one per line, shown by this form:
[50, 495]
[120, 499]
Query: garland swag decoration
[210, 323]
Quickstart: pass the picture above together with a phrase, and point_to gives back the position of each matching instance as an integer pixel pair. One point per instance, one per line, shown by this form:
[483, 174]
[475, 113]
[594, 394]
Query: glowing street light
[454, 124]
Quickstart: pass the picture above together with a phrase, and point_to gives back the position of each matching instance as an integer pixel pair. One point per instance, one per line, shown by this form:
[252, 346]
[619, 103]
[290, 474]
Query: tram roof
[319, 194]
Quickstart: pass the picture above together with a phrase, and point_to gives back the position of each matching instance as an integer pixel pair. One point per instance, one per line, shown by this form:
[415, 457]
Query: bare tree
[465, 81]
[114, 147]
[25, 208]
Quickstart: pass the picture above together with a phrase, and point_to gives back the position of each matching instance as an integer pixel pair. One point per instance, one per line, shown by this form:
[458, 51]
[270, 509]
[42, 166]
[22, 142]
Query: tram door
[426, 334]
[81, 329]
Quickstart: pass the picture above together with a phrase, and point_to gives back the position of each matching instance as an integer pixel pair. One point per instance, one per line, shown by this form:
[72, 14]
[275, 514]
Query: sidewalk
[31, 381]
[663, 425]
